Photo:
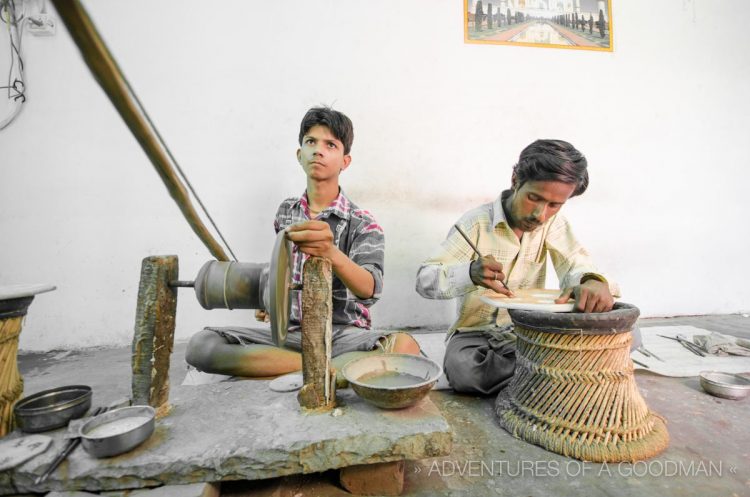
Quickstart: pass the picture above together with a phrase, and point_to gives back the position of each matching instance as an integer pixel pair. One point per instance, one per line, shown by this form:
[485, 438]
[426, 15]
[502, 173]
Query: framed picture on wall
[576, 24]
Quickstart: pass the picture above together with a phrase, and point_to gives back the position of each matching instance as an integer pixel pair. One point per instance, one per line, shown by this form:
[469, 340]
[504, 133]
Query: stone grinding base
[244, 431]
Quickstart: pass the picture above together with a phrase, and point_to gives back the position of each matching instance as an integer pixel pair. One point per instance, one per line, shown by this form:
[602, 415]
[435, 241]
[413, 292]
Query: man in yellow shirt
[514, 233]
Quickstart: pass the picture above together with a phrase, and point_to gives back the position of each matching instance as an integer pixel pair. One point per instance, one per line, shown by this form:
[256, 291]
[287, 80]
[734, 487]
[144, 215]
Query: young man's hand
[316, 238]
[488, 272]
[591, 296]
[313, 238]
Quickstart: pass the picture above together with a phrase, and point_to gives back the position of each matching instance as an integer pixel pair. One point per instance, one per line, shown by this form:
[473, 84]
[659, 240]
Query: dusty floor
[709, 451]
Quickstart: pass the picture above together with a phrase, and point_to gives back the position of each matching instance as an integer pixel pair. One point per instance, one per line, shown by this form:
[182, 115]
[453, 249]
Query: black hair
[552, 160]
[341, 126]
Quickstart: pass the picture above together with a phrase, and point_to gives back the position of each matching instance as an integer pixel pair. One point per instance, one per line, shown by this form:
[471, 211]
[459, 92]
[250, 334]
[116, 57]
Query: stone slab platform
[244, 431]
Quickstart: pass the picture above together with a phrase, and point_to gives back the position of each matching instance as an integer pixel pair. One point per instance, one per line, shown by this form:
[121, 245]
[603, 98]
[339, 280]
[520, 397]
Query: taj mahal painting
[578, 24]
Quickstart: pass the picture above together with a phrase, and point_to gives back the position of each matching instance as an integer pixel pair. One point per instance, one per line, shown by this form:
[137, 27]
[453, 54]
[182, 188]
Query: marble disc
[19, 450]
[19, 291]
[530, 299]
[287, 383]
[280, 278]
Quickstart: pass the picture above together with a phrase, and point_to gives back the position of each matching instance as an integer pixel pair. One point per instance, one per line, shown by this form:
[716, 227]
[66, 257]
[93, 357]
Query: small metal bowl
[53, 408]
[117, 431]
[392, 381]
[725, 385]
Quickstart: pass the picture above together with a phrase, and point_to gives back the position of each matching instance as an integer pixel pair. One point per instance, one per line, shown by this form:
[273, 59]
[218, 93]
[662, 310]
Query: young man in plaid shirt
[322, 222]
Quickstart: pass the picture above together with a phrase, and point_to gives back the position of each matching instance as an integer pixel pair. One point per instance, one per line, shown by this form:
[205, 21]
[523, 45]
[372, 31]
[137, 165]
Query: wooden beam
[109, 76]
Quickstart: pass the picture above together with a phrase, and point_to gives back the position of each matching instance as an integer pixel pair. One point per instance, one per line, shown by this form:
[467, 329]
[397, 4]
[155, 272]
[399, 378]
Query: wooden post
[319, 378]
[154, 330]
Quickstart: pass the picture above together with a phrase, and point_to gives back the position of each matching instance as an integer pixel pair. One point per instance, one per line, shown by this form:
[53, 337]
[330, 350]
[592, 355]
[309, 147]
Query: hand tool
[688, 345]
[476, 250]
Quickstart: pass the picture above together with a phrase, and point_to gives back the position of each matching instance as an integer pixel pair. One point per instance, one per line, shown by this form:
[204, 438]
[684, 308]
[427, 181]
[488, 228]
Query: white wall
[663, 120]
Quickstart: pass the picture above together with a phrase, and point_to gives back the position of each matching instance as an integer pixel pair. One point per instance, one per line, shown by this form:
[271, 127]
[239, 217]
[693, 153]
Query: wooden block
[374, 479]
[154, 330]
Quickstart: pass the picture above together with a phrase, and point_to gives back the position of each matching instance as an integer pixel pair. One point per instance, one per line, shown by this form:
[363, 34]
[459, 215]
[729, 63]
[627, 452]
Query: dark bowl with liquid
[392, 381]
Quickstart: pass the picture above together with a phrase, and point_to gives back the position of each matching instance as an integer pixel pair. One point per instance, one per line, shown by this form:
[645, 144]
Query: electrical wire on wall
[15, 86]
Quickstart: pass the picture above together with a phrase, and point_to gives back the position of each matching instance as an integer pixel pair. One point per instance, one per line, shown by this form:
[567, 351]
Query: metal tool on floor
[687, 344]
[642, 364]
[643, 350]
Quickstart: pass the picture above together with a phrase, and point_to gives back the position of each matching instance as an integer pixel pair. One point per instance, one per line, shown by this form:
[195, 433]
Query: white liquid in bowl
[117, 427]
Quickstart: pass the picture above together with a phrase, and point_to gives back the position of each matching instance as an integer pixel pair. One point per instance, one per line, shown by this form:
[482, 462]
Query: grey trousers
[345, 338]
[480, 362]
[483, 362]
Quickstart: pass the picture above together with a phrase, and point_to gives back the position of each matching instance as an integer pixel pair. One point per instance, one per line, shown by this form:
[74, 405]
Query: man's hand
[313, 238]
[262, 316]
[591, 296]
[488, 272]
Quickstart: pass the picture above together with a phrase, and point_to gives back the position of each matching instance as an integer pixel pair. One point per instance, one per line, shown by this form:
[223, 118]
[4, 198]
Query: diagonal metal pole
[113, 82]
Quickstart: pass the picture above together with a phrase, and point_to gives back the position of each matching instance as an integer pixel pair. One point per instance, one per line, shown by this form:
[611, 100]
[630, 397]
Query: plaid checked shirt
[445, 275]
[355, 233]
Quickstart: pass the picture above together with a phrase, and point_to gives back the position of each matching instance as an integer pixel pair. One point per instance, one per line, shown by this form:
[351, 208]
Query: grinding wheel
[279, 283]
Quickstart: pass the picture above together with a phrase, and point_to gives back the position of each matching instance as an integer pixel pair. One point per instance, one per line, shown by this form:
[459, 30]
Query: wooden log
[319, 378]
[154, 330]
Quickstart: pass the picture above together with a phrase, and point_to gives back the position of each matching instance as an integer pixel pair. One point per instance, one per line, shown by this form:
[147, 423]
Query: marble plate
[287, 383]
[19, 450]
[530, 299]
[18, 291]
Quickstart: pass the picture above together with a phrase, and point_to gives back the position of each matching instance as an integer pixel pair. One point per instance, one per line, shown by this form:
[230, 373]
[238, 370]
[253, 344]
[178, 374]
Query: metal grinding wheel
[247, 285]
[279, 283]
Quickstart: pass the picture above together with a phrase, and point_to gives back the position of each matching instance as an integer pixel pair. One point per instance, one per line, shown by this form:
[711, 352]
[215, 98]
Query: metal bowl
[53, 408]
[392, 381]
[725, 385]
[117, 431]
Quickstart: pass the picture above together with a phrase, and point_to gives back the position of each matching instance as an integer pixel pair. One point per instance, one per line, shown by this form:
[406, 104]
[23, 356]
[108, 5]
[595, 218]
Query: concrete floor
[709, 451]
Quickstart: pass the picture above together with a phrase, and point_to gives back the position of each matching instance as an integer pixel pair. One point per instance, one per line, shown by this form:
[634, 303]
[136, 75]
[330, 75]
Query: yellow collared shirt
[445, 275]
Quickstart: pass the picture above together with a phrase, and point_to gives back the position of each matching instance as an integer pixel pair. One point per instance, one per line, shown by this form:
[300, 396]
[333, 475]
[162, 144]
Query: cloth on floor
[723, 345]
[679, 361]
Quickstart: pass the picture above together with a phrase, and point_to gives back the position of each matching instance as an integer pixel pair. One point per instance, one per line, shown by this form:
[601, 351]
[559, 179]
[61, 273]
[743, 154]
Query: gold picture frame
[572, 24]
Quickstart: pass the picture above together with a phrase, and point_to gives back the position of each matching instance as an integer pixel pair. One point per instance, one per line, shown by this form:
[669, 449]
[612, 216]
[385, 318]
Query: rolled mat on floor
[574, 392]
